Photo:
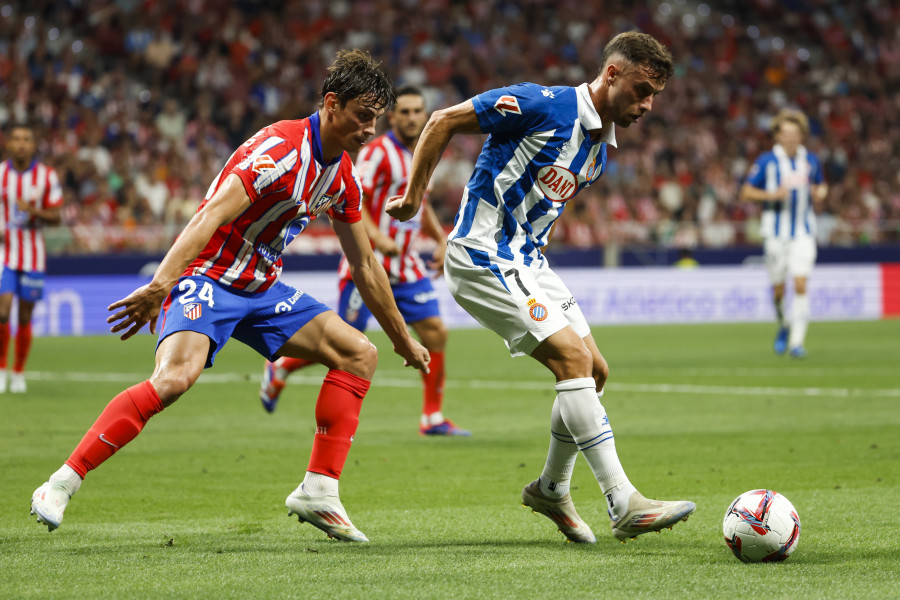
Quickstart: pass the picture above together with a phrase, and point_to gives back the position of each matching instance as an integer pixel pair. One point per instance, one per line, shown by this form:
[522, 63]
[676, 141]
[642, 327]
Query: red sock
[4, 343]
[337, 417]
[292, 364]
[119, 423]
[433, 384]
[23, 345]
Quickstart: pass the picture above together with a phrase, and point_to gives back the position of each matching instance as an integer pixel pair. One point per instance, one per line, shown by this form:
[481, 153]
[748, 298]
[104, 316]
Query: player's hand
[402, 208]
[25, 207]
[137, 309]
[387, 246]
[414, 355]
[436, 263]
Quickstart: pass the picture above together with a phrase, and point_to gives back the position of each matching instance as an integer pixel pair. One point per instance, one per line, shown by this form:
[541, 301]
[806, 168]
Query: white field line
[397, 382]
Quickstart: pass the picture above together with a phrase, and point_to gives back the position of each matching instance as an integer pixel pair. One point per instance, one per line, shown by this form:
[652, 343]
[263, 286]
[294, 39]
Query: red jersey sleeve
[269, 165]
[347, 209]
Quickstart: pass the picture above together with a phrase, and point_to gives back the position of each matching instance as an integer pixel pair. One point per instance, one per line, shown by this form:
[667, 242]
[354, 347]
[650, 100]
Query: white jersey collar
[588, 116]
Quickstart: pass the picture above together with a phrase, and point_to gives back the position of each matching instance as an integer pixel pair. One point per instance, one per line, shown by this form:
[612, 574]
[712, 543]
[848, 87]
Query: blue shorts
[416, 301]
[264, 321]
[27, 285]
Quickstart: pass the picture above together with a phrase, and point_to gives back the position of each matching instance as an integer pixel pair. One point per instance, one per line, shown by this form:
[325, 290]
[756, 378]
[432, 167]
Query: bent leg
[179, 361]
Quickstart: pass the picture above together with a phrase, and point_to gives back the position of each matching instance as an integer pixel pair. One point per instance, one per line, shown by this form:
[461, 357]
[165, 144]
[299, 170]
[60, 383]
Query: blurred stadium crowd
[138, 103]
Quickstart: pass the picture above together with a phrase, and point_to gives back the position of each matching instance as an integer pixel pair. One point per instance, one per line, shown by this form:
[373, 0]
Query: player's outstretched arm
[375, 289]
[142, 306]
[442, 126]
[750, 193]
[431, 226]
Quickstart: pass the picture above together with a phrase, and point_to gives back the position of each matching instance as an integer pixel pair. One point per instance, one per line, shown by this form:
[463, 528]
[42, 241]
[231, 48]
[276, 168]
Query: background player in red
[31, 199]
[384, 166]
[220, 280]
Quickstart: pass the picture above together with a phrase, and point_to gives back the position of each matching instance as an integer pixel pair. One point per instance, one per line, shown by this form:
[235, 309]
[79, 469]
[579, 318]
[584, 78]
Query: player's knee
[170, 385]
[601, 373]
[576, 362]
[361, 359]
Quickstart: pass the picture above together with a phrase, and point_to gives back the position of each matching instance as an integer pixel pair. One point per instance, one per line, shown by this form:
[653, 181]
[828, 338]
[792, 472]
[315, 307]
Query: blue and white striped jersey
[795, 217]
[537, 157]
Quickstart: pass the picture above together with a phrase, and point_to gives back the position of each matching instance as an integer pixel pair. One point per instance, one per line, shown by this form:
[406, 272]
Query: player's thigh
[776, 256]
[801, 257]
[432, 333]
[503, 297]
[180, 358]
[330, 340]
[5, 305]
[351, 307]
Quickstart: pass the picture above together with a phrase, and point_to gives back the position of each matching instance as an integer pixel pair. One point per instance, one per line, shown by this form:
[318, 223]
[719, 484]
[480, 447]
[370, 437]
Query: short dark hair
[13, 125]
[355, 74]
[640, 49]
[408, 90]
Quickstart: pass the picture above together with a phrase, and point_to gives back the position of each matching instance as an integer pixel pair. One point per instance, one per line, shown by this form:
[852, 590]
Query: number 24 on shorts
[189, 286]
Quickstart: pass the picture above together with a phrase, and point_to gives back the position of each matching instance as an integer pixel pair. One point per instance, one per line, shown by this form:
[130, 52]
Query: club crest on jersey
[507, 104]
[263, 163]
[591, 169]
[193, 311]
[319, 206]
[558, 184]
[536, 310]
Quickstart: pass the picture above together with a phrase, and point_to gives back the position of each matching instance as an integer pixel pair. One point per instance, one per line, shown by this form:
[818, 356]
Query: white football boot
[17, 383]
[561, 511]
[645, 515]
[49, 502]
[325, 512]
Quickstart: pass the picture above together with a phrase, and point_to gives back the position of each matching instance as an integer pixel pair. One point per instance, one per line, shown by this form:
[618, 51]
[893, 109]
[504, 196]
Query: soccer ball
[761, 526]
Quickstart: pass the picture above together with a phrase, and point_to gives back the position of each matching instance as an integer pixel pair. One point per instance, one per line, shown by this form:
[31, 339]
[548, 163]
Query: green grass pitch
[194, 508]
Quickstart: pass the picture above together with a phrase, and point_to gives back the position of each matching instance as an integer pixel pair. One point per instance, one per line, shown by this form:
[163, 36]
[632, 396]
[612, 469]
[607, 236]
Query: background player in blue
[545, 144]
[788, 180]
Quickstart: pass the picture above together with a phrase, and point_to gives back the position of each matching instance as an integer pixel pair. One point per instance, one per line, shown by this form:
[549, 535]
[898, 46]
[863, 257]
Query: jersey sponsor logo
[507, 104]
[548, 93]
[263, 163]
[295, 228]
[569, 303]
[536, 310]
[193, 311]
[268, 252]
[558, 184]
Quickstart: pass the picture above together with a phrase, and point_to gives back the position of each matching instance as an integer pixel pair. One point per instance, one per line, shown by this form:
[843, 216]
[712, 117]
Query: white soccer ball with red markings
[761, 526]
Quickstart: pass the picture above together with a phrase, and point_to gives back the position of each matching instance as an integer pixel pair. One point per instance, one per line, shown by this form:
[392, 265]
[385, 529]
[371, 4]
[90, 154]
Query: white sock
[585, 418]
[67, 476]
[799, 320]
[557, 474]
[435, 418]
[316, 484]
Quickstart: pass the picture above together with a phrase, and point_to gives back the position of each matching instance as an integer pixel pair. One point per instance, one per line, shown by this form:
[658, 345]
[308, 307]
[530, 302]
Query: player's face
[790, 136]
[408, 117]
[20, 145]
[354, 124]
[631, 94]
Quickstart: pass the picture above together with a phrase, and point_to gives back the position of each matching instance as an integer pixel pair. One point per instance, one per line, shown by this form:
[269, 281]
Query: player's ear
[330, 102]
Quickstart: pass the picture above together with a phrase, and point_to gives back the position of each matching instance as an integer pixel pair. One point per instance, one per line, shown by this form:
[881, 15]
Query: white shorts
[523, 305]
[786, 257]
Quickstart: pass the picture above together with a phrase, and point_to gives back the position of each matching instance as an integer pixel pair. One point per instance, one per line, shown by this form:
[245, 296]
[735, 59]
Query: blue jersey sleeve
[757, 175]
[521, 108]
[816, 175]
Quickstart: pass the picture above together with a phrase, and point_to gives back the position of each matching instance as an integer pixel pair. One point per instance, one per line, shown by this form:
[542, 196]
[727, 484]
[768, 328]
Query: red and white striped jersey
[384, 166]
[39, 186]
[289, 185]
